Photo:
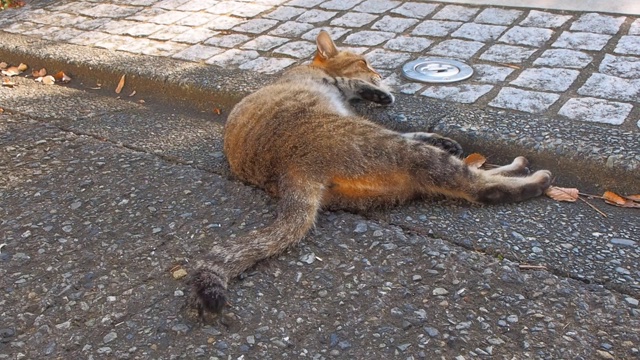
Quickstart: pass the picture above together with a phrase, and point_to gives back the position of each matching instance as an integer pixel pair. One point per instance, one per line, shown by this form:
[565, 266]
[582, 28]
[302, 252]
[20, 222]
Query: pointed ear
[326, 48]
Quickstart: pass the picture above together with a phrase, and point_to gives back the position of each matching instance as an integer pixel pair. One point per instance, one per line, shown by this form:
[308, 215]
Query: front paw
[377, 96]
[449, 145]
[208, 291]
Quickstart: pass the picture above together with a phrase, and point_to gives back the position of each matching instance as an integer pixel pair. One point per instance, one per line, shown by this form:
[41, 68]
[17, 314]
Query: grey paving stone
[109, 10]
[195, 35]
[465, 93]
[112, 42]
[611, 87]
[415, 9]
[479, 32]
[248, 10]
[64, 34]
[284, 13]
[89, 38]
[490, 73]
[146, 14]
[169, 17]
[197, 19]
[410, 88]
[135, 45]
[621, 66]
[393, 24]
[408, 43]
[336, 33]
[224, 7]
[227, 41]
[368, 38]
[382, 59]
[340, 4]
[495, 16]
[305, 3]
[92, 24]
[315, 16]
[21, 27]
[169, 32]
[144, 29]
[198, 52]
[58, 19]
[544, 19]
[455, 12]
[564, 58]
[118, 27]
[233, 57]
[459, 49]
[267, 65]
[291, 29]
[162, 48]
[524, 100]
[197, 5]
[596, 110]
[297, 49]
[598, 23]
[546, 79]
[256, 26]
[635, 28]
[507, 54]
[224, 22]
[376, 6]
[529, 36]
[264, 43]
[629, 45]
[436, 28]
[170, 4]
[353, 19]
[581, 41]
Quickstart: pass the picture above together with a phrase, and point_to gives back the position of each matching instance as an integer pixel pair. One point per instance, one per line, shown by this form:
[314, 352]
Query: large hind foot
[509, 189]
[449, 145]
[208, 291]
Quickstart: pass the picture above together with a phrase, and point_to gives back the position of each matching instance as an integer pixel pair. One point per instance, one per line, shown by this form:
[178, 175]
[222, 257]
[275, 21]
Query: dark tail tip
[208, 291]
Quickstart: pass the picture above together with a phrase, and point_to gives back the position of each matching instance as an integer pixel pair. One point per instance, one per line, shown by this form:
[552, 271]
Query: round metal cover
[434, 70]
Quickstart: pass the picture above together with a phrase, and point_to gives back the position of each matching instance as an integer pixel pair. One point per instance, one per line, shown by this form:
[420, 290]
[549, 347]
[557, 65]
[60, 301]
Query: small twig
[531, 267]
[593, 207]
[591, 196]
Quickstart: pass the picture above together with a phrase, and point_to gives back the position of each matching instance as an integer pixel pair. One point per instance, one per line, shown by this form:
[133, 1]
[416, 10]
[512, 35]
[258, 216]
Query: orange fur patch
[373, 185]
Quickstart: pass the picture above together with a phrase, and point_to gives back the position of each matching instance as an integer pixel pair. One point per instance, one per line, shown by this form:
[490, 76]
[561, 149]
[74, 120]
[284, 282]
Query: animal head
[342, 63]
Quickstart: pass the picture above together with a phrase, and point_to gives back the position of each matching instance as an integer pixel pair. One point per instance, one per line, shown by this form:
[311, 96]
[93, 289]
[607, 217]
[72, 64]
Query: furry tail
[297, 208]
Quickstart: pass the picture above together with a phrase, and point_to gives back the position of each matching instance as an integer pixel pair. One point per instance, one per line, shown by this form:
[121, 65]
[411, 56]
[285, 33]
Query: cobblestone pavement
[582, 66]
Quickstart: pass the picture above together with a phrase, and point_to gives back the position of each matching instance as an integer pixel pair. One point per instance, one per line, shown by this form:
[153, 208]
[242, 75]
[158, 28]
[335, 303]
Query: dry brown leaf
[11, 71]
[132, 94]
[562, 194]
[475, 160]
[22, 67]
[3, 65]
[633, 197]
[62, 77]
[141, 101]
[39, 73]
[48, 80]
[7, 82]
[1, 110]
[120, 85]
[217, 111]
[612, 198]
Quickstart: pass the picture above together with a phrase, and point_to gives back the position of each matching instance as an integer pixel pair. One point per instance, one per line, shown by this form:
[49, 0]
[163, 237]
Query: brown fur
[299, 140]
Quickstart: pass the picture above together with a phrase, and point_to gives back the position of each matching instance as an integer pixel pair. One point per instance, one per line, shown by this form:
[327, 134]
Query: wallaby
[299, 140]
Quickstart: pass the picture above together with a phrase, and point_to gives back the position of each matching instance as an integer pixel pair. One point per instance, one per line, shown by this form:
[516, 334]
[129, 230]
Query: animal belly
[390, 184]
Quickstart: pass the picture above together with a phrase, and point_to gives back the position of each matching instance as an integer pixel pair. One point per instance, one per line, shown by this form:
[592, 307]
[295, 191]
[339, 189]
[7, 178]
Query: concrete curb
[581, 155]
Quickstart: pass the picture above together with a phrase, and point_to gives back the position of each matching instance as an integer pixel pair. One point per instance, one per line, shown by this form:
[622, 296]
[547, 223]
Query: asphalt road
[100, 198]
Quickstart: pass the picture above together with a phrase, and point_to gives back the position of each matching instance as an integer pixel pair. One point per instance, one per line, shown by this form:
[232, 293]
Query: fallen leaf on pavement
[217, 111]
[11, 71]
[48, 80]
[3, 65]
[120, 85]
[562, 194]
[7, 82]
[475, 160]
[62, 77]
[22, 67]
[1, 110]
[39, 73]
[132, 94]
[612, 198]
